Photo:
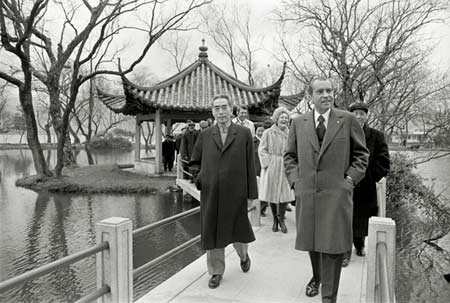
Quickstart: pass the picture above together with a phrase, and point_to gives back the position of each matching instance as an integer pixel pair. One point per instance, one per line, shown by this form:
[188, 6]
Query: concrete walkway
[278, 274]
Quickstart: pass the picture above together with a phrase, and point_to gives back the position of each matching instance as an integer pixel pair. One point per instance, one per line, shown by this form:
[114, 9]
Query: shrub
[406, 187]
[110, 142]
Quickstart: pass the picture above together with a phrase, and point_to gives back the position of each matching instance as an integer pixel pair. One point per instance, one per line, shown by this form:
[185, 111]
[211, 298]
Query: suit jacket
[187, 143]
[227, 179]
[324, 205]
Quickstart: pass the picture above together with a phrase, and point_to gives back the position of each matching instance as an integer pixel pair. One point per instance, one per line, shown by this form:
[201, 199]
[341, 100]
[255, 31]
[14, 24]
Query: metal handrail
[45, 269]
[95, 295]
[166, 220]
[167, 255]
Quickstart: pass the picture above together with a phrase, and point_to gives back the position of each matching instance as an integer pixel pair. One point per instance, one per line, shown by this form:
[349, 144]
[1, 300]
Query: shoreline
[107, 179]
[46, 146]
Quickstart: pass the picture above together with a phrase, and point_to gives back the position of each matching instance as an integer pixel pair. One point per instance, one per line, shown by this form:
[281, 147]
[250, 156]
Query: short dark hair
[309, 89]
[223, 96]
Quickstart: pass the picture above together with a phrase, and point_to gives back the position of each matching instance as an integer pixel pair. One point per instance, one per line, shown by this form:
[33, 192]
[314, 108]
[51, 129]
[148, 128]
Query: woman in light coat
[274, 187]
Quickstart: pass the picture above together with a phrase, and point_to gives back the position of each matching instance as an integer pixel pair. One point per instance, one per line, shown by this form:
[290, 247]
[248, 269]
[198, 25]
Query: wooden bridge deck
[278, 274]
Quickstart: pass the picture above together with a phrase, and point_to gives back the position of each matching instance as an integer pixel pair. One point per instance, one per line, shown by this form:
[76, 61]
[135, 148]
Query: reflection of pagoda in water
[187, 96]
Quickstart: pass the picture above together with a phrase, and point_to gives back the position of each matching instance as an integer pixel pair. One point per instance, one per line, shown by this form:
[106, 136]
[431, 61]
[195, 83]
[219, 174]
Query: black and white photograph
[241, 151]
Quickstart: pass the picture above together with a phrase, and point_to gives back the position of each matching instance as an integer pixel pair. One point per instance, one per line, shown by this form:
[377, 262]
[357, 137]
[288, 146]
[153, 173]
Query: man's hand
[349, 180]
[251, 201]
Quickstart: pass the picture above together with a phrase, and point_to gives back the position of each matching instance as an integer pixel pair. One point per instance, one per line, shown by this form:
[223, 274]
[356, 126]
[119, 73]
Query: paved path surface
[278, 274]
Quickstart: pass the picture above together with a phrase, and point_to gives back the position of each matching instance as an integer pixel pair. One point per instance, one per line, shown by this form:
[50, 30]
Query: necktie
[320, 130]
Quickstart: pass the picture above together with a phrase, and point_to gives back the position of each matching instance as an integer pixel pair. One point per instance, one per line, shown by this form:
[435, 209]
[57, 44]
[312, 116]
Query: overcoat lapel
[311, 131]
[216, 137]
[232, 131]
[334, 124]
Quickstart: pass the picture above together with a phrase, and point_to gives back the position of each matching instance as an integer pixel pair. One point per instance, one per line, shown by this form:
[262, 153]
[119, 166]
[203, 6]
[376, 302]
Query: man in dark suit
[187, 145]
[168, 152]
[325, 158]
[227, 180]
[365, 193]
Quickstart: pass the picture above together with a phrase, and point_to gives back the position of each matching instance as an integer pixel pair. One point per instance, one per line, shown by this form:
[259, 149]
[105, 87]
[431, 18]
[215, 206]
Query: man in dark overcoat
[187, 145]
[227, 180]
[168, 152]
[325, 157]
[365, 193]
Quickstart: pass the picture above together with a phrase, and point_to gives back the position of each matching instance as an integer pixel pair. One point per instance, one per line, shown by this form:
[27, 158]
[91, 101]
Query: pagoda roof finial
[203, 51]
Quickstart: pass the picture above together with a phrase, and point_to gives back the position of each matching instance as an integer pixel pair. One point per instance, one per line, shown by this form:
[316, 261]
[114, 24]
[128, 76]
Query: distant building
[412, 133]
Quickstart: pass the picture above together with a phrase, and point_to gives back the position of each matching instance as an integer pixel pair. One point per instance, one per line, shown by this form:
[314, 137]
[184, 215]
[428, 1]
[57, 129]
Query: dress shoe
[312, 288]
[245, 265]
[283, 227]
[214, 281]
[346, 261]
[275, 224]
[360, 252]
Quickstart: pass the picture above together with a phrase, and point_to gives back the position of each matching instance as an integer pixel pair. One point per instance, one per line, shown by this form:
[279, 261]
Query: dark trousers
[168, 164]
[327, 269]
[358, 242]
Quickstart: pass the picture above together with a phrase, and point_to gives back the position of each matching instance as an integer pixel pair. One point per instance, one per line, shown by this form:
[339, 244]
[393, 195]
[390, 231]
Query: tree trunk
[76, 139]
[21, 136]
[89, 154]
[49, 135]
[25, 98]
[64, 152]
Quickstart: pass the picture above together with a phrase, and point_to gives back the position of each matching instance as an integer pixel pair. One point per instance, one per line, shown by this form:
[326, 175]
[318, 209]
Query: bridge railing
[380, 262]
[103, 288]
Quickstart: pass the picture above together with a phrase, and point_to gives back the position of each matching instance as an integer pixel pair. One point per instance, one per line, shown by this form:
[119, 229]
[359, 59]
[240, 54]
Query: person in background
[178, 138]
[168, 152]
[203, 125]
[210, 121]
[187, 144]
[227, 181]
[256, 141]
[274, 186]
[365, 193]
[326, 156]
[242, 119]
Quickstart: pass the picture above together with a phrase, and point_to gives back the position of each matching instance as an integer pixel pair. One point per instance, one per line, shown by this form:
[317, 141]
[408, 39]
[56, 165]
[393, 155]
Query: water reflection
[37, 228]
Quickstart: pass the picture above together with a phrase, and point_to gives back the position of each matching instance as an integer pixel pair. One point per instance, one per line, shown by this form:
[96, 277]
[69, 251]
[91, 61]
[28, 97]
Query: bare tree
[368, 47]
[179, 49]
[76, 46]
[233, 31]
[16, 40]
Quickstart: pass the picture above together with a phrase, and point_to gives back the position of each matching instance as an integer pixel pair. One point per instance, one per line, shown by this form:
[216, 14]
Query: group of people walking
[326, 160]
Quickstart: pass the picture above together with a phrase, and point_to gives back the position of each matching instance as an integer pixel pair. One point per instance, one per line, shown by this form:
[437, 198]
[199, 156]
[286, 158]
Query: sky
[159, 63]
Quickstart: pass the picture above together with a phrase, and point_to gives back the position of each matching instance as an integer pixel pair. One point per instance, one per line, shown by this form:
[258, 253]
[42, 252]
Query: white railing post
[115, 265]
[381, 242]
[381, 197]
[179, 167]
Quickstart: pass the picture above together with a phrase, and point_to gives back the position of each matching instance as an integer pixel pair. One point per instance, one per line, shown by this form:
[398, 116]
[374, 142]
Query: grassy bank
[98, 179]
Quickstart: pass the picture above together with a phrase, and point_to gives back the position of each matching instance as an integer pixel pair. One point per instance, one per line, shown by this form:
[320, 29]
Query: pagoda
[187, 96]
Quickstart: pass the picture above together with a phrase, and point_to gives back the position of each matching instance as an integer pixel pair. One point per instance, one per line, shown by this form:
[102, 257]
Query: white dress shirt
[325, 115]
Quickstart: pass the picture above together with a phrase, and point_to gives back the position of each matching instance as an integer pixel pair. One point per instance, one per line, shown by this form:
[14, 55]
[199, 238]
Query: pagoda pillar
[169, 126]
[158, 142]
[137, 141]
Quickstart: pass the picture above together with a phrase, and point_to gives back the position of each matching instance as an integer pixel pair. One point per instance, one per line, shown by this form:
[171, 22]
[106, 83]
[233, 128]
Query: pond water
[36, 229]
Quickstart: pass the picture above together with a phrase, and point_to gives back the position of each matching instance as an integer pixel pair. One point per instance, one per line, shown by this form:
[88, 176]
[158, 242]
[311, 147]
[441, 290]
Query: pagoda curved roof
[191, 90]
